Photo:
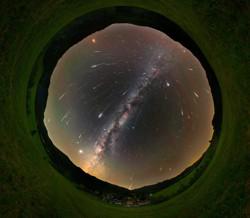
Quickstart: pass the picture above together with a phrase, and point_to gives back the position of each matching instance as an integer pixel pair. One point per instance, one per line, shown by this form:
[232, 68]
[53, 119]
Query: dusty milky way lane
[132, 102]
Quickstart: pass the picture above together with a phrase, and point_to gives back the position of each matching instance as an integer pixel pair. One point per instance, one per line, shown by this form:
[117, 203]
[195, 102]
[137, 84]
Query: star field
[130, 106]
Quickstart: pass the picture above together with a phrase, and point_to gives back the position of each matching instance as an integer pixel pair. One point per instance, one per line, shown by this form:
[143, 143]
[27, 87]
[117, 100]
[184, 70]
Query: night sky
[130, 106]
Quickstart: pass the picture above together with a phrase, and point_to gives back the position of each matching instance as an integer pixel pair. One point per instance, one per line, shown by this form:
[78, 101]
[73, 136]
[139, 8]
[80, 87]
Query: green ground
[31, 187]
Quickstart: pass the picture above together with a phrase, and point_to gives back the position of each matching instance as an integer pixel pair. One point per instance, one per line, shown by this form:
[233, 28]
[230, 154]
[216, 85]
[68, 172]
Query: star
[100, 115]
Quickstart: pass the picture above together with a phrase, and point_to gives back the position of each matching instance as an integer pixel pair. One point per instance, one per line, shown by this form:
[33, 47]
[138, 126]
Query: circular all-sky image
[130, 106]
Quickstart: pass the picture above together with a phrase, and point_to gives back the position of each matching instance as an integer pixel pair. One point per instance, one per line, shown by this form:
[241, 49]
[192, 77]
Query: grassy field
[31, 187]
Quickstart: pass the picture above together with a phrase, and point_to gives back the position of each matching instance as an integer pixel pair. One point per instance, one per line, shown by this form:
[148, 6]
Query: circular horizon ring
[130, 106]
[125, 109]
